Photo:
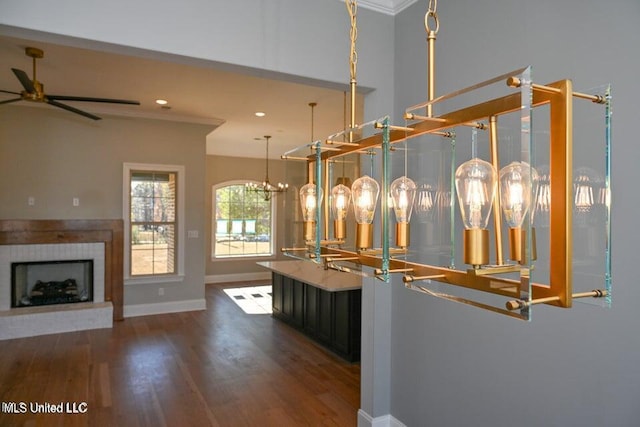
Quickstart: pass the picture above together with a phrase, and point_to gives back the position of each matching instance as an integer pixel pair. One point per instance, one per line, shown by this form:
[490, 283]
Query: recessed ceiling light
[161, 102]
[260, 114]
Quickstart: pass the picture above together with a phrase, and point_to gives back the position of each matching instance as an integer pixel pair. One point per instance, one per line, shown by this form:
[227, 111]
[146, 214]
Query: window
[242, 222]
[153, 215]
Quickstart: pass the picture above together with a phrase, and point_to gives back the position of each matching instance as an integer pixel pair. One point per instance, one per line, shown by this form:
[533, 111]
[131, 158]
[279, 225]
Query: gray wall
[454, 365]
[55, 156]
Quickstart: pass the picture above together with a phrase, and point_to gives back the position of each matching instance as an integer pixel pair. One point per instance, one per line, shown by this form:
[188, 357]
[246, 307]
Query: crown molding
[388, 7]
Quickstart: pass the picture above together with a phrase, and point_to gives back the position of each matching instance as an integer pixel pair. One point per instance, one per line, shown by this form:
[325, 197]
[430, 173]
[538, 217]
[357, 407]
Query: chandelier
[466, 264]
[266, 188]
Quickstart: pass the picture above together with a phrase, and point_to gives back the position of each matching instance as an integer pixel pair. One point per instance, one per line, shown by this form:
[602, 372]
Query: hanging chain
[432, 13]
[352, 7]
[267, 159]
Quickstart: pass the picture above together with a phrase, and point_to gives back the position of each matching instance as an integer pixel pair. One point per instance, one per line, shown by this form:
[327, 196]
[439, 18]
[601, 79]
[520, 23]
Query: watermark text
[44, 407]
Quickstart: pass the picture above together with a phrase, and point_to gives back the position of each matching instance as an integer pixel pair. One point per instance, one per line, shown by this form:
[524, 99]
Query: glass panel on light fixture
[591, 196]
[429, 160]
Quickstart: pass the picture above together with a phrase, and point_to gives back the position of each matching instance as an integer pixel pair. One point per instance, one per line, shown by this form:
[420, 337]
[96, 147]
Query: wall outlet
[31, 201]
[161, 291]
[192, 234]
[76, 201]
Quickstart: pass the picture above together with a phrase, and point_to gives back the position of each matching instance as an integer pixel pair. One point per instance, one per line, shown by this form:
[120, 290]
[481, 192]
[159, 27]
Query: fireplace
[61, 241]
[51, 282]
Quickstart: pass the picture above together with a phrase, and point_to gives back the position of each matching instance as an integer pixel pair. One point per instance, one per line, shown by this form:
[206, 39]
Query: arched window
[243, 222]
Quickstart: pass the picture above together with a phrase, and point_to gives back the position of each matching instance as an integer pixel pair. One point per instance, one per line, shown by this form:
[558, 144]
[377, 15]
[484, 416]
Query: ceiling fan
[34, 90]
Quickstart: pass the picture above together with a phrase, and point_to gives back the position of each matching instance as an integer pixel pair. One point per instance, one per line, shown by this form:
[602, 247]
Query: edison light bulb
[516, 183]
[365, 191]
[476, 184]
[309, 204]
[403, 193]
[340, 199]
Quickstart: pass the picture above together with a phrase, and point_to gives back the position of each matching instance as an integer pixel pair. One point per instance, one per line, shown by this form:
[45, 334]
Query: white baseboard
[365, 420]
[240, 277]
[164, 307]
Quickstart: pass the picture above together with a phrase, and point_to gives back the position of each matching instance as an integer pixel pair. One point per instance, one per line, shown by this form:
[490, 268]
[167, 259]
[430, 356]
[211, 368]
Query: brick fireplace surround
[109, 232]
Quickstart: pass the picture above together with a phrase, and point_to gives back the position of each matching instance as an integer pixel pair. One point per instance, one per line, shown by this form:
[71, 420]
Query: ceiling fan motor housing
[34, 52]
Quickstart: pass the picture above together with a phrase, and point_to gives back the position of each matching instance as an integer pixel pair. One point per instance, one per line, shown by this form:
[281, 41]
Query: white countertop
[314, 274]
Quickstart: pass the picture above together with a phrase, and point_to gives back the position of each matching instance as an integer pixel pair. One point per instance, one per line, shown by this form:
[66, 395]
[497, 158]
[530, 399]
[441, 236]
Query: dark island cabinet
[311, 312]
[332, 319]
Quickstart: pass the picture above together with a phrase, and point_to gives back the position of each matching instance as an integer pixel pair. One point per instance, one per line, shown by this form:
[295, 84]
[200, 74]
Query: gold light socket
[476, 246]
[402, 234]
[518, 244]
[309, 231]
[364, 236]
[339, 229]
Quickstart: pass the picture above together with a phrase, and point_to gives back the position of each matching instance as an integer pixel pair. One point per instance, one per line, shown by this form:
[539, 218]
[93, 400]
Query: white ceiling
[196, 91]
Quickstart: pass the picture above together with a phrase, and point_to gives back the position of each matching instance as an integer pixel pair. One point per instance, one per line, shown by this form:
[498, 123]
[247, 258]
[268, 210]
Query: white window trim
[251, 257]
[126, 214]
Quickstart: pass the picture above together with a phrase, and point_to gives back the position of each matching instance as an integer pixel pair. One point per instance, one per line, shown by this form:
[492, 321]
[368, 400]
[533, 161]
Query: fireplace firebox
[51, 282]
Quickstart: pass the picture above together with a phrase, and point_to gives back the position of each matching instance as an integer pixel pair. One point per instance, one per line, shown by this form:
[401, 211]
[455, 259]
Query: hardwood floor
[218, 367]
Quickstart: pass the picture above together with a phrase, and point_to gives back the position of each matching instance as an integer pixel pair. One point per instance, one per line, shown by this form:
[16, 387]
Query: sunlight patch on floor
[253, 300]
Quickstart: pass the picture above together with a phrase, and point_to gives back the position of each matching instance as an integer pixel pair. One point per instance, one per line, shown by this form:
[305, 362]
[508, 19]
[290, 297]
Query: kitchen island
[323, 304]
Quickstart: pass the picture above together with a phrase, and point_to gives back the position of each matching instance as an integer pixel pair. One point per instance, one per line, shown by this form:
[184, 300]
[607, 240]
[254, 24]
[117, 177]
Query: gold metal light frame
[558, 96]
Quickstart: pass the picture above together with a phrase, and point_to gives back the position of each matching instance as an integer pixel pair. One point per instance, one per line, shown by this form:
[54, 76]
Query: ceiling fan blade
[72, 109]
[24, 79]
[85, 99]
[8, 91]
[10, 100]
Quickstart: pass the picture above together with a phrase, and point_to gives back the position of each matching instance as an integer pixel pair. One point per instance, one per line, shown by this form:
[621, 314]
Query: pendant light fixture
[311, 196]
[266, 188]
[403, 193]
[340, 200]
[310, 200]
[516, 194]
[516, 182]
[365, 192]
[476, 182]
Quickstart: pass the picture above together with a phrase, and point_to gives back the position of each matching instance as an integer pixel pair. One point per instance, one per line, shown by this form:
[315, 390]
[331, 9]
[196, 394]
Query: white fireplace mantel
[21, 322]
[50, 240]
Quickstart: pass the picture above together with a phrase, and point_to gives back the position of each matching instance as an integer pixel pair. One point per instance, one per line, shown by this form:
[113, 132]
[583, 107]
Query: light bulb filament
[310, 206]
[476, 199]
